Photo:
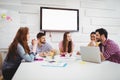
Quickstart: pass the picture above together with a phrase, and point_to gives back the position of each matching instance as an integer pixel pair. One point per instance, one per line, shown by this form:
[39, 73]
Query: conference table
[76, 69]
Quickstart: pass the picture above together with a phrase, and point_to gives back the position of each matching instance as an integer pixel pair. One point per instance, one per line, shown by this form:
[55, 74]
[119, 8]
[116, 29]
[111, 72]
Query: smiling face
[68, 37]
[101, 35]
[42, 39]
[93, 37]
[98, 37]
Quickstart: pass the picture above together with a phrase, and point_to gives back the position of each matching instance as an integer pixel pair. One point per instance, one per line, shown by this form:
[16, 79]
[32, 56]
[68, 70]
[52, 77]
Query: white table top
[75, 70]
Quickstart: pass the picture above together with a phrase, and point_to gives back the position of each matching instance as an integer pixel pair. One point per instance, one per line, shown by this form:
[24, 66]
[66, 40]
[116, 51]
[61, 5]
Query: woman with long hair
[18, 51]
[66, 45]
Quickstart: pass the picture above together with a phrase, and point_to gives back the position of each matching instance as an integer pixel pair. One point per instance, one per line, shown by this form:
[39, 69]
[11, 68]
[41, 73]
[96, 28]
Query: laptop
[90, 54]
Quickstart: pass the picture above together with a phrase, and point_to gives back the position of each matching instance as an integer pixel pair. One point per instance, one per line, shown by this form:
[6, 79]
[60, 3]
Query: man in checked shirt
[109, 49]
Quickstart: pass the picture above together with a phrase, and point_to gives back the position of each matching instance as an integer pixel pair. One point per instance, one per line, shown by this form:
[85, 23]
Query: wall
[93, 14]
[8, 28]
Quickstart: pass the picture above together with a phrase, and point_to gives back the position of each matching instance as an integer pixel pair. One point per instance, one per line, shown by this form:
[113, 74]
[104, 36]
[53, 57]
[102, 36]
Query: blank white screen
[53, 19]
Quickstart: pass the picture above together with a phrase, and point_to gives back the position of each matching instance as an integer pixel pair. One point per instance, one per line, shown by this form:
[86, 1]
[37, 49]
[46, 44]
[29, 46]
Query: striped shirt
[44, 48]
[110, 50]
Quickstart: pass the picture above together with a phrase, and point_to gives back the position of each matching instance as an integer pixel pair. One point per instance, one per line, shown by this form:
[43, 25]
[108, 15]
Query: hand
[102, 57]
[92, 43]
[34, 42]
[70, 54]
[78, 53]
[62, 54]
[42, 54]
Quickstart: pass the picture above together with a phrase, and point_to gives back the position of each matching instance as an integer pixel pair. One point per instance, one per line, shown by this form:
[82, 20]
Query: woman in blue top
[18, 51]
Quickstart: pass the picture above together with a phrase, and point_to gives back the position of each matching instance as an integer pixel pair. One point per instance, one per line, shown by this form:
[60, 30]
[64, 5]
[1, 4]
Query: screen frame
[52, 8]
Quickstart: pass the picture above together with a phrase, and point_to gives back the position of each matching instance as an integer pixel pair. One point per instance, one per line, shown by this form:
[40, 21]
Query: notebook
[90, 54]
[54, 64]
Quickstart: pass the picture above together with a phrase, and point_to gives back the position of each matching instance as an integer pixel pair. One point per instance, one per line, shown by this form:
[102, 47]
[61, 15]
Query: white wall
[93, 14]
[8, 28]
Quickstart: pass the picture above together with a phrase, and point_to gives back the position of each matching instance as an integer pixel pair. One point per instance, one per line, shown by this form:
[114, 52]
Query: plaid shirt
[110, 50]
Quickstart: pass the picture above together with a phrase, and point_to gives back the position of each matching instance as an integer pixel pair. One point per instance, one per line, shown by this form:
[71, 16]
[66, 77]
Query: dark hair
[65, 43]
[102, 31]
[21, 37]
[92, 33]
[69, 46]
[40, 34]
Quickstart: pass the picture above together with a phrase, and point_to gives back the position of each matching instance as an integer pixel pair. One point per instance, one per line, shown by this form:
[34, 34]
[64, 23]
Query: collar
[105, 42]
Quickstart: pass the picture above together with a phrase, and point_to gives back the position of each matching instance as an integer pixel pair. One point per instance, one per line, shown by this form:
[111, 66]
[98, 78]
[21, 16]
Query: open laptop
[90, 54]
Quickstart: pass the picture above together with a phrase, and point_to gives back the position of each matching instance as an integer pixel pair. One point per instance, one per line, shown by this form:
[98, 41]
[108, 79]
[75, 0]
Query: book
[54, 64]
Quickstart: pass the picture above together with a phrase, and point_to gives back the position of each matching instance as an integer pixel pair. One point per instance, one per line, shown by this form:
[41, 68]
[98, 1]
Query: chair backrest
[0, 61]
[1, 78]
